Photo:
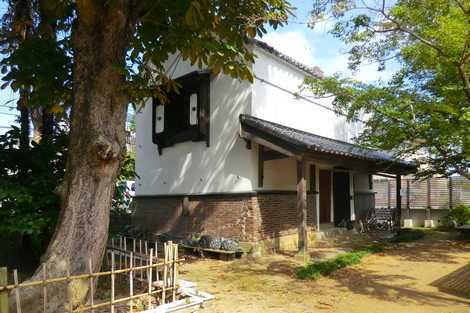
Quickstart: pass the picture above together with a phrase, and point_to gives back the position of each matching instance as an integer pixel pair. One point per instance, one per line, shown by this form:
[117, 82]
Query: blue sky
[313, 47]
[316, 47]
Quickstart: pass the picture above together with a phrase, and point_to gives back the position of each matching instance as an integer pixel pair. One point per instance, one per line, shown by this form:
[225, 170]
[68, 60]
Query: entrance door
[341, 197]
[325, 196]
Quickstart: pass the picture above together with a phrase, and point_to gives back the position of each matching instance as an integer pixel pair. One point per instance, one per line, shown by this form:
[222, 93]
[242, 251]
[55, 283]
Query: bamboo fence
[138, 267]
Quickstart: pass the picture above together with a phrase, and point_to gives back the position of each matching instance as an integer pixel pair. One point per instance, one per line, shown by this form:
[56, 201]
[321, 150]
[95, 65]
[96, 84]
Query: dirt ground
[431, 275]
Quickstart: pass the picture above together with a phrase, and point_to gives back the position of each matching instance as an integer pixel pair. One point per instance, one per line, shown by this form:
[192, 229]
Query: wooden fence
[433, 193]
[156, 278]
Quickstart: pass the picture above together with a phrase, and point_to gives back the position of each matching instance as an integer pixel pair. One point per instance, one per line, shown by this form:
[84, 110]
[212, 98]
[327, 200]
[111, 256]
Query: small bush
[323, 268]
[405, 235]
[446, 224]
[460, 214]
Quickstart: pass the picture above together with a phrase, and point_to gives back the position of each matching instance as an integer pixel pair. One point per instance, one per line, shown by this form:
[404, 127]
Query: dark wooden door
[341, 197]
[325, 196]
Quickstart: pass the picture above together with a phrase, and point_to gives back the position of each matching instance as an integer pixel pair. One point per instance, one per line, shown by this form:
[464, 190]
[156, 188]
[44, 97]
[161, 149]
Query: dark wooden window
[371, 182]
[186, 114]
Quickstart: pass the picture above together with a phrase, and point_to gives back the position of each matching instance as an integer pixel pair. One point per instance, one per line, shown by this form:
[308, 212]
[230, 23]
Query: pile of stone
[213, 242]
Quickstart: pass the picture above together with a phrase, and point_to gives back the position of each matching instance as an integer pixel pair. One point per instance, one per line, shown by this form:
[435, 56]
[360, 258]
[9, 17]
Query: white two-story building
[255, 162]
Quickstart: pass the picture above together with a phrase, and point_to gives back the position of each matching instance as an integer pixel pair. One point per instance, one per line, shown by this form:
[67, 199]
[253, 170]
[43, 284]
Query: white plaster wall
[280, 174]
[227, 166]
[361, 182]
[190, 167]
[273, 104]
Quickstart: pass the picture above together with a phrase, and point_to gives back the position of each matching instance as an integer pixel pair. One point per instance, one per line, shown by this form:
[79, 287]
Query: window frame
[195, 133]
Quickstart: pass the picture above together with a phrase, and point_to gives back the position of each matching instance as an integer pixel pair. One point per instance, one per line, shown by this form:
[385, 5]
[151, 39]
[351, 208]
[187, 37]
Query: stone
[429, 223]
[407, 223]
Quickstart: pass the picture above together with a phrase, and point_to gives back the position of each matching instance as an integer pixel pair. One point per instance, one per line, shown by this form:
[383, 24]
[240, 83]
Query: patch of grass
[323, 268]
[409, 234]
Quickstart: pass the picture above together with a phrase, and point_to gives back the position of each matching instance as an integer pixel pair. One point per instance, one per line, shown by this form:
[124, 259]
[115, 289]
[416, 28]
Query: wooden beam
[265, 143]
[273, 155]
[260, 166]
[302, 207]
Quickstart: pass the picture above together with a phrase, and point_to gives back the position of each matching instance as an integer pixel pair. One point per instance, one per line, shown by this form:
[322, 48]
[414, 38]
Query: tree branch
[462, 7]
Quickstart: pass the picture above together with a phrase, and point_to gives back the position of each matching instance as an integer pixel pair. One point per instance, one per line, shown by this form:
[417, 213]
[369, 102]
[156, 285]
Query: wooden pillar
[451, 200]
[408, 197]
[398, 198]
[389, 193]
[4, 306]
[428, 199]
[302, 207]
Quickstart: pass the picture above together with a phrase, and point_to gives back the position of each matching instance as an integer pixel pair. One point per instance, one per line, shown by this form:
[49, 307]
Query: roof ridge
[312, 70]
[306, 132]
[350, 148]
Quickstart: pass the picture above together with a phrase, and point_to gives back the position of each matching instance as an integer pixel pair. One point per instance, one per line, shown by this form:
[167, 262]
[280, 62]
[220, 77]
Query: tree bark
[97, 141]
[24, 127]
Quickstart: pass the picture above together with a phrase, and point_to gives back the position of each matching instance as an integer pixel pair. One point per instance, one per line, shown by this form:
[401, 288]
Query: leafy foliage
[37, 55]
[323, 268]
[121, 201]
[127, 171]
[28, 205]
[209, 32]
[460, 214]
[122, 198]
[424, 110]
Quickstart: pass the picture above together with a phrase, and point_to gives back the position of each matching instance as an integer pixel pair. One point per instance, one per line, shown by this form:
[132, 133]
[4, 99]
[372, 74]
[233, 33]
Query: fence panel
[435, 193]
[123, 268]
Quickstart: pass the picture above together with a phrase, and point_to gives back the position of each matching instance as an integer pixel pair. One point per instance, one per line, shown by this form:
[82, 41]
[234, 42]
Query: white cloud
[293, 44]
[335, 64]
[298, 46]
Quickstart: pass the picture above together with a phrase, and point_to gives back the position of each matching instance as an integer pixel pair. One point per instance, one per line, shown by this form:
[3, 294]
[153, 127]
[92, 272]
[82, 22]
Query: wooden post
[451, 200]
[44, 287]
[69, 287]
[4, 306]
[112, 281]
[428, 199]
[17, 291]
[389, 194]
[165, 271]
[92, 285]
[131, 284]
[398, 198]
[408, 197]
[157, 276]
[149, 278]
[140, 259]
[125, 252]
[302, 207]
[175, 270]
[121, 245]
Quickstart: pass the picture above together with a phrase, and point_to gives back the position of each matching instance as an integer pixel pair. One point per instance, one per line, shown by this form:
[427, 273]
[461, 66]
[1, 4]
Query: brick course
[245, 217]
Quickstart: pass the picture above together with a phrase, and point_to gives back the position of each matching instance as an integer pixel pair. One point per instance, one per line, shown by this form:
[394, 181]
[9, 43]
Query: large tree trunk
[24, 123]
[97, 141]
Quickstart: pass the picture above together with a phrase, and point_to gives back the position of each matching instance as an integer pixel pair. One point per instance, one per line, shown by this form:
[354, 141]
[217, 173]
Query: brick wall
[245, 217]
[276, 214]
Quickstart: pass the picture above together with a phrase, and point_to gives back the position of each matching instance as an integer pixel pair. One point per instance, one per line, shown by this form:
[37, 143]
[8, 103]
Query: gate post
[4, 307]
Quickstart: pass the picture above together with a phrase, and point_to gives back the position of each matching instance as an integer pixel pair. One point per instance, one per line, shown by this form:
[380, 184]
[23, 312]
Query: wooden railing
[159, 277]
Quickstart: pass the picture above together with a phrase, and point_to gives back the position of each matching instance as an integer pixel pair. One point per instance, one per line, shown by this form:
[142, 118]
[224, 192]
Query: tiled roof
[314, 71]
[304, 141]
